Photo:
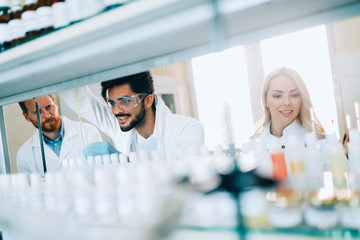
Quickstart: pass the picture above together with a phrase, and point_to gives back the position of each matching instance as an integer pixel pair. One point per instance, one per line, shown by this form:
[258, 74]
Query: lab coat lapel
[161, 110]
[70, 133]
[49, 153]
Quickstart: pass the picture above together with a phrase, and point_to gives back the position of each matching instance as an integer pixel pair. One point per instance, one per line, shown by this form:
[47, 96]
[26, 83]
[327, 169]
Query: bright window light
[220, 79]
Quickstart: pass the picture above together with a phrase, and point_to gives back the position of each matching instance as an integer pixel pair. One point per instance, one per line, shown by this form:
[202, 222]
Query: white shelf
[147, 34]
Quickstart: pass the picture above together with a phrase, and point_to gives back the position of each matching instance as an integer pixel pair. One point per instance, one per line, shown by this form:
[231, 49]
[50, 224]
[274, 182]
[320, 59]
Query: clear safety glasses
[127, 102]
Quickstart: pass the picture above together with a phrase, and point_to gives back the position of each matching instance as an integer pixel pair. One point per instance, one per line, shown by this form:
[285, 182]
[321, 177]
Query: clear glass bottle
[337, 162]
[17, 32]
[29, 19]
[278, 162]
[313, 163]
[5, 10]
[45, 16]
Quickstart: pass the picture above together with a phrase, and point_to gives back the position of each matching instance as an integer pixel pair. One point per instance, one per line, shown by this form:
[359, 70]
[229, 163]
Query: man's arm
[93, 109]
[192, 136]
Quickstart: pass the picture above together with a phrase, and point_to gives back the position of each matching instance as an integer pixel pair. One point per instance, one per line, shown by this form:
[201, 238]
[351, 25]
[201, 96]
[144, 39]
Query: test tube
[348, 122]
[312, 119]
[357, 113]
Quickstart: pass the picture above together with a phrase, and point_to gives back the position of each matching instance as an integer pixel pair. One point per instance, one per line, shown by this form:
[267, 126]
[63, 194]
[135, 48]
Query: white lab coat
[173, 132]
[272, 142]
[29, 155]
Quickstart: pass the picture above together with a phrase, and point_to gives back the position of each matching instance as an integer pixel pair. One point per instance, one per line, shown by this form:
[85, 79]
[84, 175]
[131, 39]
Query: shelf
[148, 34]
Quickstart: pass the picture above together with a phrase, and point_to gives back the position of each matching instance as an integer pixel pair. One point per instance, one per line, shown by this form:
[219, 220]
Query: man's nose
[45, 114]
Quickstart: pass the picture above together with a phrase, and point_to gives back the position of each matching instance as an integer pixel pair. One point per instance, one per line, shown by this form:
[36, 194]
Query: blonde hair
[303, 118]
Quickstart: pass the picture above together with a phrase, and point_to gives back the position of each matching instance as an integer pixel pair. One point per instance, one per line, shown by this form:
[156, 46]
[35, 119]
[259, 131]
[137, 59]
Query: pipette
[80, 119]
[40, 137]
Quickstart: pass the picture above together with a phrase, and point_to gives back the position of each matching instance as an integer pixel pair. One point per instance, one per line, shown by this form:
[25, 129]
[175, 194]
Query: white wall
[344, 39]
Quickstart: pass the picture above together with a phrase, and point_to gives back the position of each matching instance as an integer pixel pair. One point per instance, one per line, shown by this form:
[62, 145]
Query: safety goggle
[127, 102]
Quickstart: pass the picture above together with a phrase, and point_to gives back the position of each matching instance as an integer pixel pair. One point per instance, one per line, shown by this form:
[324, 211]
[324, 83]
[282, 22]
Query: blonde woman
[286, 103]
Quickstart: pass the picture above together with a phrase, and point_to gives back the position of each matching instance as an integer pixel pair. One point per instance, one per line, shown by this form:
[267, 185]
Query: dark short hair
[24, 108]
[139, 83]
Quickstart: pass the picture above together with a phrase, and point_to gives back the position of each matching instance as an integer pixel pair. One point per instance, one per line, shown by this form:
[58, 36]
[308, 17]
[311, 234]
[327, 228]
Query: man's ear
[26, 117]
[149, 100]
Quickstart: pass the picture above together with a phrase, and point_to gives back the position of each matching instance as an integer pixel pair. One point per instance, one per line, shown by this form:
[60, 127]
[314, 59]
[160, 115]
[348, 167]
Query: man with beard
[136, 119]
[63, 138]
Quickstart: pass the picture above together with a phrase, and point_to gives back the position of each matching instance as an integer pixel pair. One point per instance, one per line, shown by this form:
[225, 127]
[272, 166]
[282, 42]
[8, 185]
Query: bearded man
[63, 138]
[137, 119]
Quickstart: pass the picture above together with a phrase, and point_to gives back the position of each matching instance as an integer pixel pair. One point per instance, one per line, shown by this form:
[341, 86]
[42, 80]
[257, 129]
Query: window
[220, 80]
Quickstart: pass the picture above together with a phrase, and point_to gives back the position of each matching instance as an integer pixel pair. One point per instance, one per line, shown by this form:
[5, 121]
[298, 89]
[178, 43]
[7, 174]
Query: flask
[4, 28]
[16, 29]
[29, 19]
[44, 16]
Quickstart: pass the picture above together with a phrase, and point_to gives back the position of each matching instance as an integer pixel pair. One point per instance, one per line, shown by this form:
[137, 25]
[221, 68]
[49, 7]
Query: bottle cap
[79, 161]
[90, 160]
[4, 3]
[98, 160]
[35, 179]
[123, 158]
[114, 158]
[133, 157]
[28, 2]
[65, 163]
[106, 159]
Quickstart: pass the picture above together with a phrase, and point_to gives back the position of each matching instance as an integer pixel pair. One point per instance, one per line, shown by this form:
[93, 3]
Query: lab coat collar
[291, 129]
[70, 132]
[161, 110]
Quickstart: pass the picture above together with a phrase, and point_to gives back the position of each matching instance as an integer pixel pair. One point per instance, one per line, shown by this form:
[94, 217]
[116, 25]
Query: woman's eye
[295, 95]
[276, 96]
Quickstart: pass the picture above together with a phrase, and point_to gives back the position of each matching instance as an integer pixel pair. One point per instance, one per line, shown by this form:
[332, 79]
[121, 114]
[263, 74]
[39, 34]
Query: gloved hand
[99, 148]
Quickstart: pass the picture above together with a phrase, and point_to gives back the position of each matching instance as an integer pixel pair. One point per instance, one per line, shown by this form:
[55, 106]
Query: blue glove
[99, 148]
